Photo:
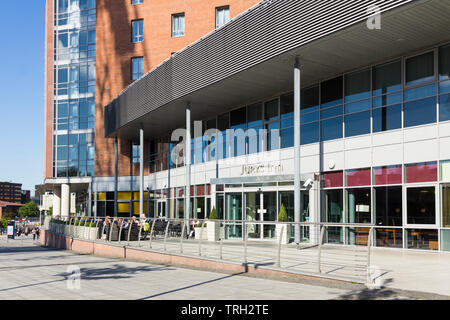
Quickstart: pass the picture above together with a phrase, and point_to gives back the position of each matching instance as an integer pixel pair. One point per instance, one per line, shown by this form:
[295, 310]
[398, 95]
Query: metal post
[182, 236]
[141, 171]
[139, 236]
[244, 237]
[221, 244]
[96, 228]
[110, 229]
[322, 233]
[151, 234]
[116, 176]
[201, 239]
[120, 232]
[279, 247]
[297, 182]
[129, 231]
[369, 244]
[165, 235]
[187, 151]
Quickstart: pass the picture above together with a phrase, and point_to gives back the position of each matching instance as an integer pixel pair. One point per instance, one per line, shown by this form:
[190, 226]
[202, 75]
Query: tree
[29, 210]
[4, 223]
[282, 216]
[213, 215]
[50, 211]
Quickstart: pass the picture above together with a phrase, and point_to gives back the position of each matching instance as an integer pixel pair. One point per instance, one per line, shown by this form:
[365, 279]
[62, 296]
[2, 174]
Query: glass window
[254, 115]
[333, 179]
[445, 170]
[357, 86]
[222, 16]
[133, 2]
[420, 92]
[331, 112]
[387, 78]
[238, 118]
[332, 129]
[287, 105]
[444, 107]
[137, 68]
[137, 30]
[389, 237]
[332, 202]
[420, 69]
[387, 99]
[178, 25]
[358, 205]
[135, 153]
[287, 138]
[445, 240]
[309, 99]
[421, 172]
[357, 124]
[360, 177]
[387, 118]
[271, 110]
[444, 62]
[309, 133]
[420, 112]
[331, 92]
[388, 206]
[446, 206]
[388, 175]
[421, 205]
[422, 239]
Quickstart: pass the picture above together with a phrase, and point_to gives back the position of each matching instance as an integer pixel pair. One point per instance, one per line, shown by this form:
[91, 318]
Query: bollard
[279, 248]
[201, 239]
[322, 233]
[165, 235]
[182, 235]
[151, 234]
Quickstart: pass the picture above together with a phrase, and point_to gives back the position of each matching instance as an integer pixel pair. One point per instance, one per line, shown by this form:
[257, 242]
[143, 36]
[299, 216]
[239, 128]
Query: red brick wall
[114, 51]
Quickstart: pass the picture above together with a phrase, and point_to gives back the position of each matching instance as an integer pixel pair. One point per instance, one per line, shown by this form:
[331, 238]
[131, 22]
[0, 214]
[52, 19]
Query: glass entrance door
[261, 206]
[233, 209]
[161, 208]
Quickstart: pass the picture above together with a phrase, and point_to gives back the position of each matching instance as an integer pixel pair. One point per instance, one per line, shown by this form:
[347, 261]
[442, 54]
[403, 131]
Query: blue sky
[22, 92]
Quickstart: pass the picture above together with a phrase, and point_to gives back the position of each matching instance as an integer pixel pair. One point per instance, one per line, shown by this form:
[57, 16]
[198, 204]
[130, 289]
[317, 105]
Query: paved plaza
[29, 271]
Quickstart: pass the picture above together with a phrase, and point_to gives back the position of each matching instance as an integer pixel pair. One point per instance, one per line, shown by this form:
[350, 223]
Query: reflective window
[137, 30]
[388, 206]
[420, 69]
[357, 85]
[444, 62]
[421, 172]
[387, 78]
[387, 118]
[422, 239]
[358, 205]
[137, 68]
[387, 175]
[309, 133]
[420, 112]
[332, 202]
[332, 129]
[178, 25]
[446, 206]
[357, 124]
[133, 2]
[331, 92]
[222, 16]
[444, 107]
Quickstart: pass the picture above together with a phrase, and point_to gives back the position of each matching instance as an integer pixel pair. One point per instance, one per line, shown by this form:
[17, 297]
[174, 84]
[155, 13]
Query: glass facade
[74, 88]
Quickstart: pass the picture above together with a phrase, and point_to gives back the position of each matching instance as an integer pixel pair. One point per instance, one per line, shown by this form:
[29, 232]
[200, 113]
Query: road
[29, 271]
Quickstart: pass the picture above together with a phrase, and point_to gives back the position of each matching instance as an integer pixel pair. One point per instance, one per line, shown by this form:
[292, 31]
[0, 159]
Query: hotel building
[340, 112]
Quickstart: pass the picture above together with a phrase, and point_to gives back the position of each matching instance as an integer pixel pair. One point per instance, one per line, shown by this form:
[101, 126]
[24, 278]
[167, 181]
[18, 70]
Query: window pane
[387, 78]
[420, 112]
[388, 206]
[444, 62]
[357, 124]
[331, 112]
[446, 206]
[331, 92]
[445, 170]
[422, 239]
[387, 118]
[357, 106]
[238, 118]
[309, 99]
[387, 99]
[287, 105]
[333, 179]
[271, 110]
[358, 205]
[309, 133]
[287, 138]
[444, 107]
[421, 172]
[332, 129]
[421, 205]
[254, 114]
[389, 238]
[360, 177]
[420, 69]
[420, 92]
[388, 175]
[357, 85]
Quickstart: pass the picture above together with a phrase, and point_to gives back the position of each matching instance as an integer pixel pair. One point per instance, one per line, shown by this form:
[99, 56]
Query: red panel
[333, 179]
[356, 178]
[421, 172]
[180, 192]
[201, 190]
[388, 175]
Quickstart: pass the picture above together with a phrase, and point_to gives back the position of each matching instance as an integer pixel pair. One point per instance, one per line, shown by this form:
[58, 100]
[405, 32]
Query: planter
[93, 232]
[213, 229]
[66, 229]
[285, 235]
[198, 232]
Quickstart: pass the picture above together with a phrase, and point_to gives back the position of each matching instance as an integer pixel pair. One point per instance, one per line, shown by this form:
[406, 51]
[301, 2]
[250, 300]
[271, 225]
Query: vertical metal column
[89, 205]
[116, 178]
[297, 149]
[187, 151]
[141, 171]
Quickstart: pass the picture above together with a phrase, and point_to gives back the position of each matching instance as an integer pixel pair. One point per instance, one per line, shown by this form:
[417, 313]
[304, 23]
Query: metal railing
[229, 241]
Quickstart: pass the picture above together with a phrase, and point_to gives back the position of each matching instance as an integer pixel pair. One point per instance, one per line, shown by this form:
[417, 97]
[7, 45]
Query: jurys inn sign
[268, 168]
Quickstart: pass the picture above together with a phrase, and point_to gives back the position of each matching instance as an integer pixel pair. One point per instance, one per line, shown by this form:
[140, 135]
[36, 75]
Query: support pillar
[187, 151]
[57, 201]
[314, 213]
[141, 171]
[116, 177]
[65, 200]
[297, 182]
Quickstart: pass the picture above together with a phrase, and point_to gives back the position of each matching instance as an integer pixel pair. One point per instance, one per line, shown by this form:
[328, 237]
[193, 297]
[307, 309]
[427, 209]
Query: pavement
[30, 271]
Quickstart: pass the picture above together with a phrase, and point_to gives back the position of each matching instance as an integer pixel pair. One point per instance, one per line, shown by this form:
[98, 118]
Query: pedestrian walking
[33, 232]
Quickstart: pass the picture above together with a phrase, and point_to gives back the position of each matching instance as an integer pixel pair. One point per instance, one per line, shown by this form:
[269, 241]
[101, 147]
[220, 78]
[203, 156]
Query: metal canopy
[407, 26]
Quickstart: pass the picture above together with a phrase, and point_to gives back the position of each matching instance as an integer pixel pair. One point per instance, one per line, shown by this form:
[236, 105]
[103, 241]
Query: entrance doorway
[161, 208]
[260, 207]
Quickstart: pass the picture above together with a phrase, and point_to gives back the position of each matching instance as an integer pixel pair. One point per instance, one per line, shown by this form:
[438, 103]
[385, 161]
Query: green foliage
[50, 211]
[213, 215]
[199, 225]
[282, 216]
[31, 209]
[4, 223]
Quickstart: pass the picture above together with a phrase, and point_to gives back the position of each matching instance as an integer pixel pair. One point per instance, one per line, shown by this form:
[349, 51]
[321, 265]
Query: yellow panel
[136, 207]
[123, 207]
[123, 195]
[101, 196]
[136, 195]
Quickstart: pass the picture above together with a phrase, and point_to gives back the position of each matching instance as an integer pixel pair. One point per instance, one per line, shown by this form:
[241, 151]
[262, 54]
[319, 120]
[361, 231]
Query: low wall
[51, 240]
